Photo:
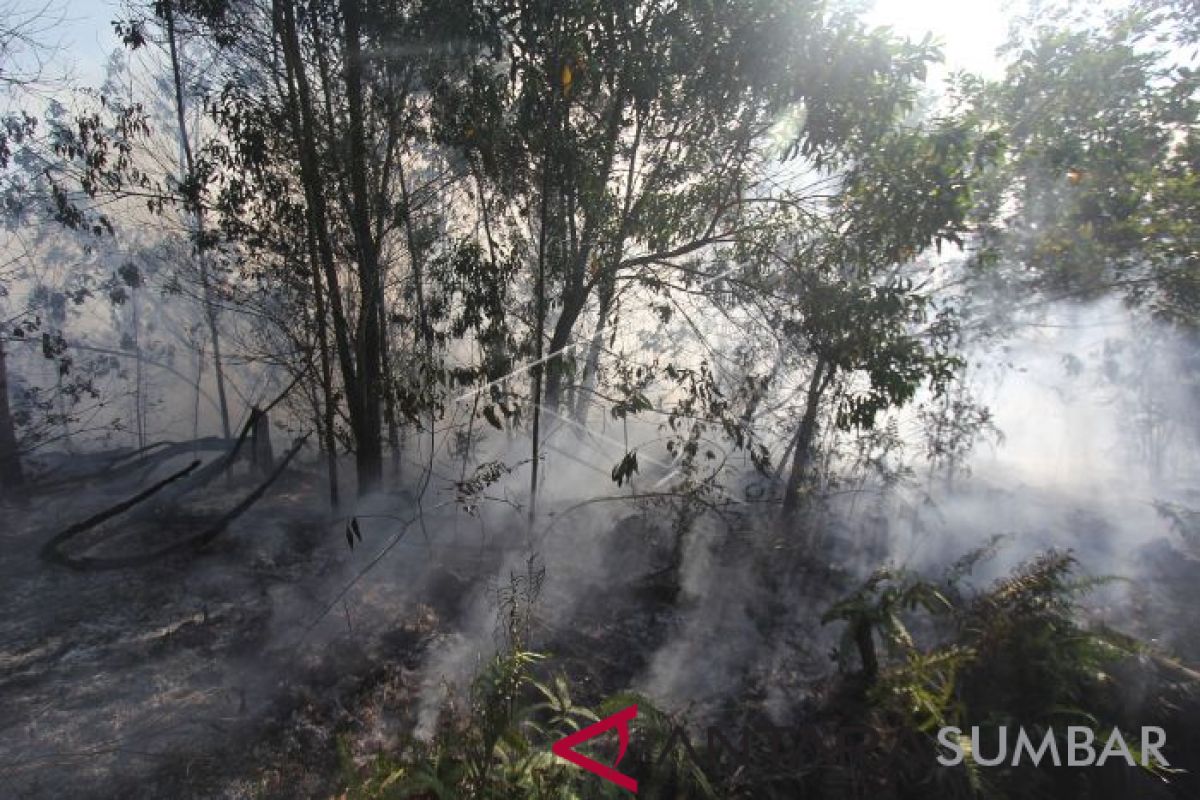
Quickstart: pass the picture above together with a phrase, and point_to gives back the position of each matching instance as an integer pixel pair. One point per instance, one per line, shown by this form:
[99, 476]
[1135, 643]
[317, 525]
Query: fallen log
[252, 498]
[51, 552]
[204, 476]
[122, 464]
[222, 465]
[117, 465]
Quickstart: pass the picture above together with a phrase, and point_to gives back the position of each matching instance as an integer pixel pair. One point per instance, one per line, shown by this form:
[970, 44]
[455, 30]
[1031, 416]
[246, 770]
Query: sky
[87, 36]
[970, 30]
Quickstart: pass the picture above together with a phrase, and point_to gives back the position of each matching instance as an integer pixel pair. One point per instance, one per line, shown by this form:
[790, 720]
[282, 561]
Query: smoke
[1095, 425]
[1081, 402]
[1081, 395]
[716, 637]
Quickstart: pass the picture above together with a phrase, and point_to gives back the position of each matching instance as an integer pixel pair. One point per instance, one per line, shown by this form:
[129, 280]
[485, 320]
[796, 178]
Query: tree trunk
[316, 210]
[804, 439]
[185, 143]
[262, 455]
[539, 333]
[328, 401]
[864, 641]
[608, 285]
[12, 477]
[389, 393]
[590, 367]
[573, 305]
[369, 453]
[196, 388]
[578, 286]
[139, 412]
[64, 417]
[416, 259]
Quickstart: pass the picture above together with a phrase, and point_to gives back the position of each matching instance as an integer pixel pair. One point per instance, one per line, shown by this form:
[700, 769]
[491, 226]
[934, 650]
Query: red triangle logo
[565, 748]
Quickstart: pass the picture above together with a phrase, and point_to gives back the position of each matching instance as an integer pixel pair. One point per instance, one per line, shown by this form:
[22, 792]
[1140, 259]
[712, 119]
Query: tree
[304, 113]
[174, 46]
[631, 135]
[1098, 188]
[11, 475]
[861, 309]
[25, 55]
[22, 60]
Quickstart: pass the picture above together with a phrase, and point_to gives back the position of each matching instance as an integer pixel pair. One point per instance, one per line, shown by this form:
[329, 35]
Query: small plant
[875, 610]
[1016, 654]
[497, 745]
[933, 655]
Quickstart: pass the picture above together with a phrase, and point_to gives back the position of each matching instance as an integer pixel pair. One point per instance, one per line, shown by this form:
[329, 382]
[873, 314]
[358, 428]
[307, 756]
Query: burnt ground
[242, 671]
[210, 675]
[235, 674]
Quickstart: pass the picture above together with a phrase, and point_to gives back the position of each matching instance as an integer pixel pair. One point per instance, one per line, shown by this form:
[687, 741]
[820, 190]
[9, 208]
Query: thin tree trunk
[608, 288]
[484, 213]
[804, 439]
[389, 394]
[305, 127]
[64, 417]
[12, 477]
[215, 336]
[138, 410]
[370, 448]
[210, 310]
[262, 454]
[196, 402]
[417, 261]
[496, 356]
[539, 332]
[592, 364]
[577, 287]
[330, 412]
[462, 475]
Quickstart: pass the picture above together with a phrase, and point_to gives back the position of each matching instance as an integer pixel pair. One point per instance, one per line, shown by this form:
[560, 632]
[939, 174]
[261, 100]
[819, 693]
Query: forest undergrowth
[914, 654]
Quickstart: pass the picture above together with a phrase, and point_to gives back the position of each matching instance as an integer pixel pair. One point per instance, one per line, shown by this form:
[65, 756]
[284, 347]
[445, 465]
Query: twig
[396, 539]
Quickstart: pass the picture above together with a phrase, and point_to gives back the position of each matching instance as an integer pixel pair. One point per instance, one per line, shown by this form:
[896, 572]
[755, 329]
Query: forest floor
[274, 662]
[247, 671]
[174, 679]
